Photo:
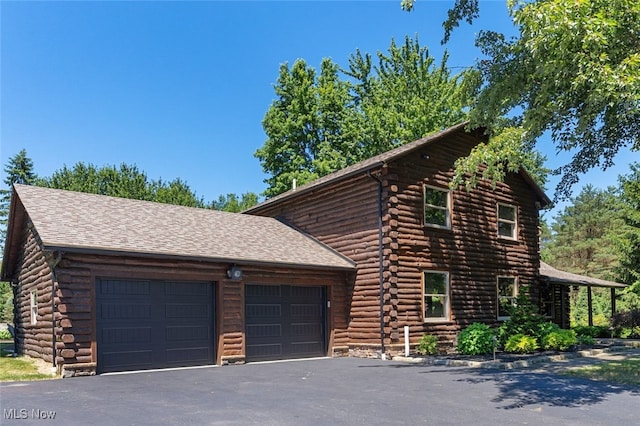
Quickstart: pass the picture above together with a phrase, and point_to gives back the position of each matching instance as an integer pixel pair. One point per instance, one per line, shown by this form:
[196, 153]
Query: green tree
[19, 169]
[234, 204]
[321, 123]
[585, 241]
[302, 125]
[125, 181]
[573, 72]
[628, 237]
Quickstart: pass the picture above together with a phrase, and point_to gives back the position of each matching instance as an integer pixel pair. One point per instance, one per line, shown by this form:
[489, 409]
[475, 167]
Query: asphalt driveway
[341, 391]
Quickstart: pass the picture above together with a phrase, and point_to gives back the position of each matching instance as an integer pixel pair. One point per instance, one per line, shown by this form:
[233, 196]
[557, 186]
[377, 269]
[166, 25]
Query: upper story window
[435, 296]
[437, 207]
[507, 294]
[507, 221]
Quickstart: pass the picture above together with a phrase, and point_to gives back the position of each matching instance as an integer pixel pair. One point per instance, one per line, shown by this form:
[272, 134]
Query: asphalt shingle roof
[379, 160]
[562, 277]
[74, 221]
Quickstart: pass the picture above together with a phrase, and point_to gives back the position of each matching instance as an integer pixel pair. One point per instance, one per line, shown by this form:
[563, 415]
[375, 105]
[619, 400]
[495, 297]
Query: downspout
[54, 281]
[380, 261]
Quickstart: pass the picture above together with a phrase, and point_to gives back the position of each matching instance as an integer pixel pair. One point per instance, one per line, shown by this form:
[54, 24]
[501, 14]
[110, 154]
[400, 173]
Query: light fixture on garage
[234, 273]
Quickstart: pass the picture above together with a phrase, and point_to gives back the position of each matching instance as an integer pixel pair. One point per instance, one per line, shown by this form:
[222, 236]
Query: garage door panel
[284, 321]
[150, 324]
[177, 311]
[127, 360]
[128, 335]
[195, 355]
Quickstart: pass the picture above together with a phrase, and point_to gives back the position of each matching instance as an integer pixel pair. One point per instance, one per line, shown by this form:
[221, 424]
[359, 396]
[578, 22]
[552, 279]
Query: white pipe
[406, 340]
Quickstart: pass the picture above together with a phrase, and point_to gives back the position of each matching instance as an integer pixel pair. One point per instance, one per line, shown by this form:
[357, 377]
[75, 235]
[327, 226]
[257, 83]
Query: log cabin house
[105, 284]
[338, 266]
[428, 257]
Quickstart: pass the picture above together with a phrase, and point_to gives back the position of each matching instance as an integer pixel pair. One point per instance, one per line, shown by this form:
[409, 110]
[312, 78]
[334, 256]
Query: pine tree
[19, 169]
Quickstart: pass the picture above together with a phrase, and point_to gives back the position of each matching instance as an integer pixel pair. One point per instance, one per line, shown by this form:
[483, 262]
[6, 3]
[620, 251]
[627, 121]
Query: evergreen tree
[19, 169]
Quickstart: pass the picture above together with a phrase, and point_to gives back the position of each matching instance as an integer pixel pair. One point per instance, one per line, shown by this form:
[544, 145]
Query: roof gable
[81, 222]
[381, 159]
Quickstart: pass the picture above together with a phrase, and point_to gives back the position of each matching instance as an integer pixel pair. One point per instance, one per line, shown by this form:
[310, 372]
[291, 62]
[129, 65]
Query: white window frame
[446, 209]
[447, 295]
[499, 296]
[513, 223]
[33, 296]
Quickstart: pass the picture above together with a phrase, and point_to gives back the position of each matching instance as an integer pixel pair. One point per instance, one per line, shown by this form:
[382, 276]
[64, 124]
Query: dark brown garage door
[153, 324]
[284, 322]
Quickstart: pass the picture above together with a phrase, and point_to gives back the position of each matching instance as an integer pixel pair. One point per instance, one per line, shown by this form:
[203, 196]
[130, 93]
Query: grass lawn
[625, 372]
[18, 369]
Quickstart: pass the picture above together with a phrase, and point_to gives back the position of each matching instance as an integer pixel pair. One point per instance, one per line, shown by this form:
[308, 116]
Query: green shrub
[428, 345]
[524, 319]
[560, 340]
[629, 332]
[521, 344]
[5, 335]
[585, 340]
[593, 331]
[477, 339]
[627, 324]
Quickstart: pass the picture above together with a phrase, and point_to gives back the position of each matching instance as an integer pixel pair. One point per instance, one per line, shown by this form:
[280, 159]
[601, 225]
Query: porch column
[590, 304]
[613, 300]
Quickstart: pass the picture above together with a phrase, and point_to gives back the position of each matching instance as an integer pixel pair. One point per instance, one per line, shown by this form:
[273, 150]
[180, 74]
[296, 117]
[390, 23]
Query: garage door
[284, 322]
[153, 324]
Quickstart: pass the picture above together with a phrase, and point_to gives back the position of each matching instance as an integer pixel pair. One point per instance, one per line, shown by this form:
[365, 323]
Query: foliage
[521, 344]
[476, 339]
[581, 339]
[6, 302]
[428, 345]
[320, 123]
[19, 169]
[573, 72]
[5, 335]
[627, 238]
[586, 236]
[125, 181]
[626, 319]
[623, 372]
[559, 340]
[524, 319]
[592, 331]
[628, 332]
[231, 202]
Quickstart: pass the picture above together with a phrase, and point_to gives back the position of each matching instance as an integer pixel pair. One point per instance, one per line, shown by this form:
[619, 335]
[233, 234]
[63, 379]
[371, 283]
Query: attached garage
[284, 321]
[107, 284]
[143, 324]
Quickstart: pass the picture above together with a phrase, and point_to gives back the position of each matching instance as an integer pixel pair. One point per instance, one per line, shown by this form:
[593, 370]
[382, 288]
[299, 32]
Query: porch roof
[557, 276]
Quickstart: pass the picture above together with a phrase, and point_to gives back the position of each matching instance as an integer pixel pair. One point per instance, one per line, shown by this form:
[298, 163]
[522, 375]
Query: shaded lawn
[625, 372]
[14, 369]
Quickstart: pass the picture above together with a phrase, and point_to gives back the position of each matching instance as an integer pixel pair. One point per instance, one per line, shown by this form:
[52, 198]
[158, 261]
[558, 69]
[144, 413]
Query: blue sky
[180, 88]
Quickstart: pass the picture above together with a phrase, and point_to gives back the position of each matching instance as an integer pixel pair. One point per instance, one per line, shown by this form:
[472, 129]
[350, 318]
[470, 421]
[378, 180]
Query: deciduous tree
[573, 72]
[320, 123]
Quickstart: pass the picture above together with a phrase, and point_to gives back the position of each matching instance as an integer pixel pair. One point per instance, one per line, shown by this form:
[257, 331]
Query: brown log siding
[343, 215]
[33, 273]
[75, 300]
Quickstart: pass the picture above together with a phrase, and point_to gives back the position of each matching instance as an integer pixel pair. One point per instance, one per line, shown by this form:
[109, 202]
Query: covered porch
[555, 285]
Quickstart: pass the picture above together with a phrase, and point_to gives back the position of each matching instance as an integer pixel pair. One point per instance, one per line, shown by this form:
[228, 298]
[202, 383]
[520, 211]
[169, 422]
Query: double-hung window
[437, 207]
[507, 221]
[435, 296]
[507, 294]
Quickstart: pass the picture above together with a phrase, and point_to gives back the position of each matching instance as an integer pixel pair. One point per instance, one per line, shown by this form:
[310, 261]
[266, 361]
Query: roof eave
[208, 259]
